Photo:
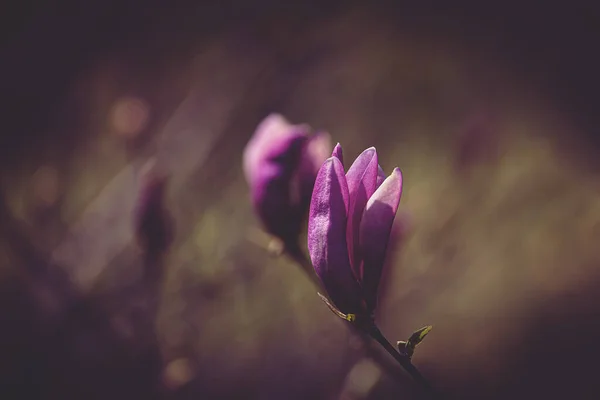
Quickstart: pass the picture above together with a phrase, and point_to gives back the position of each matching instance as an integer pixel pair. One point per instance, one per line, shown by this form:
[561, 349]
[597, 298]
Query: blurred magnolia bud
[153, 223]
[280, 163]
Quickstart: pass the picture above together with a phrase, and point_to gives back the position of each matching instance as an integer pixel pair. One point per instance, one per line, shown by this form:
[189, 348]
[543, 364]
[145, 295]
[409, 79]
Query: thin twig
[373, 332]
[403, 360]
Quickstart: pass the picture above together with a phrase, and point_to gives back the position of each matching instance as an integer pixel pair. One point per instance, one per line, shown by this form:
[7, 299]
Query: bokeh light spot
[129, 116]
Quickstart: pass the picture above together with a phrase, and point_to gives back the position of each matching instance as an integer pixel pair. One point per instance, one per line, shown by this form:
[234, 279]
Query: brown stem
[403, 360]
[296, 253]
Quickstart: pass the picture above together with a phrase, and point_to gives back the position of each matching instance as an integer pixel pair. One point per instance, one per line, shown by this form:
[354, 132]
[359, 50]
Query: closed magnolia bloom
[350, 220]
[153, 224]
[280, 163]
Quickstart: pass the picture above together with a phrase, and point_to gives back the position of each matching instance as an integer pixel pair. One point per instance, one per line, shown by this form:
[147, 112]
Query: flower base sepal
[357, 319]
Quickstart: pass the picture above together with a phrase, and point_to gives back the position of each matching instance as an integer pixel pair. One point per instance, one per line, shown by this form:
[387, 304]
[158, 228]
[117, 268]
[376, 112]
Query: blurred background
[490, 110]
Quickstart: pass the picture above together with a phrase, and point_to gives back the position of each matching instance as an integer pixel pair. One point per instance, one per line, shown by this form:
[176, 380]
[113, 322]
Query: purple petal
[362, 182]
[380, 175]
[337, 152]
[375, 228]
[270, 128]
[271, 162]
[271, 139]
[401, 229]
[327, 236]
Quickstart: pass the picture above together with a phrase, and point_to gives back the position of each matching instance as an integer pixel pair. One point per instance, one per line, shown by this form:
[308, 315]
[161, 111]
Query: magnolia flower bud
[349, 226]
[280, 164]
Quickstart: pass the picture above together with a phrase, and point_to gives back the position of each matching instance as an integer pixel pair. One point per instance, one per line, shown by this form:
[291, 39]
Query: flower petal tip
[338, 153]
[397, 172]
